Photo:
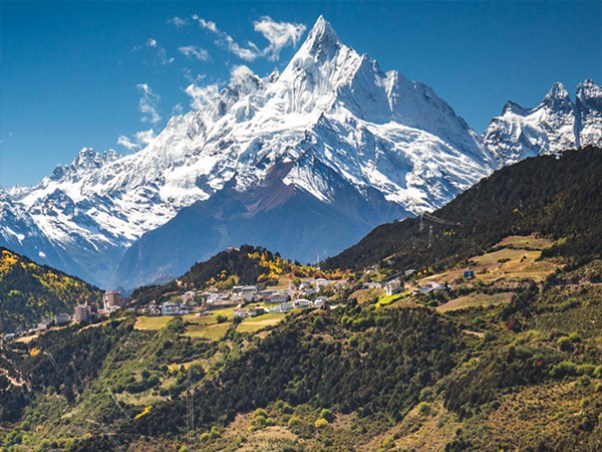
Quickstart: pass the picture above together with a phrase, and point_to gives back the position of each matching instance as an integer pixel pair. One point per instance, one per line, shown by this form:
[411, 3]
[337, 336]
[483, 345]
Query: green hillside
[554, 196]
[235, 266]
[506, 353]
[30, 292]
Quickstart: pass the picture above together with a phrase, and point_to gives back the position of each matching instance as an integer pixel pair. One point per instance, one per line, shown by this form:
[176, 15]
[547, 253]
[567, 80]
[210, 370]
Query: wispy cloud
[178, 22]
[141, 139]
[194, 52]
[192, 78]
[177, 109]
[148, 104]
[249, 53]
[202, 96]
[279, 34]
[158, 53]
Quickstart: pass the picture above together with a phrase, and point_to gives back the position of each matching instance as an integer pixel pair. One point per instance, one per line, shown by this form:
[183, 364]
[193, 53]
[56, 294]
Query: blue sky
[78, 74]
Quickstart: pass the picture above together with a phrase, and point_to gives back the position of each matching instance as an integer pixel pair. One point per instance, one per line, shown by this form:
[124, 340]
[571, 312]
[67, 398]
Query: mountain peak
[513, 107]
[588, 89]
[321, 37]
[322, 30]
[558, 98]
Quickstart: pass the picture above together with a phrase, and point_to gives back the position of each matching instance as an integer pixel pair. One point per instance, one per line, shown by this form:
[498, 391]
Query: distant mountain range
[555, 125]
[305, 162]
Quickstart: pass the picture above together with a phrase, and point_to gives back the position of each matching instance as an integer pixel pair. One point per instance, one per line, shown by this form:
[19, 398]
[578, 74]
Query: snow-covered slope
[589, 108]
[333, 132]
[555, 125]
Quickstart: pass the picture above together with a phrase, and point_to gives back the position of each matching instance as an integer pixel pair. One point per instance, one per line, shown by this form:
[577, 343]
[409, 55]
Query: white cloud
[158, 53]
[207, 24]
[241, 72]
[188, 75]
[148, 104]
[141, 139]
[249, 53]
[194, 52]
[202, 97]
[279, 34]
[178, 22]
[177, 109]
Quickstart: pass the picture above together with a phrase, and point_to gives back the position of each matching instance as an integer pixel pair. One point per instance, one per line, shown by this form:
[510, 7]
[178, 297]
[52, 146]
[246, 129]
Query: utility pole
[430, 236]
[421, 227]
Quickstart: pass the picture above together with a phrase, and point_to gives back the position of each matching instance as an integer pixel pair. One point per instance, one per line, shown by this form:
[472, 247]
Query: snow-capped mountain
[305, 162]
[555, 125]
[589, 108]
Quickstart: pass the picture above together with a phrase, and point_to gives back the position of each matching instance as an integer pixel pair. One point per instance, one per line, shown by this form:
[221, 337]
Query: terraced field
[475, 300]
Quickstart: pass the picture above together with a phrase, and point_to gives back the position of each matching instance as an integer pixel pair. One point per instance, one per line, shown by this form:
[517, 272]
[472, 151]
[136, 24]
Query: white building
[432, 287]
[302, 303]
[284, 307]
[373, 285]
[394, 286]
[320, 302]
[112, 298]
[62, 319]
[322, 282]
[170, 308]
[241, 313]
[278, 297]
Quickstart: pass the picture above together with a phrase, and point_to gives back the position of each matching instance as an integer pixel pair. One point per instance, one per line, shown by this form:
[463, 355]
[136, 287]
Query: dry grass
[476, 300]
[199, 327]
[365, 295]
[542, 414]
[529, 242]
[152, 323]
[26, 339]
[212, 332]
[420, 432]
[254, 324]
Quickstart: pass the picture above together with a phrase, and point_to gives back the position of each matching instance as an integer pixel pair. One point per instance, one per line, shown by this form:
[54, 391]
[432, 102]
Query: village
[244, 302]
[211, 308]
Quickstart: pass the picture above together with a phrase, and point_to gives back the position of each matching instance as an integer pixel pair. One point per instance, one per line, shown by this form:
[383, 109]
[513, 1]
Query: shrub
[563, 369]
[425, 408]
[260, 412]
[327, 414]
[565, 344]
[427, 394]
[320, 423]
[258, 422]
[586, 369]
[294, 421]
[204, 437]
[221, 318]
[388, 443]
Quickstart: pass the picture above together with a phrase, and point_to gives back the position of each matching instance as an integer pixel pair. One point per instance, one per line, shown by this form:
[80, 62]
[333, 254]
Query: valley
[298, 249]
[249, 350]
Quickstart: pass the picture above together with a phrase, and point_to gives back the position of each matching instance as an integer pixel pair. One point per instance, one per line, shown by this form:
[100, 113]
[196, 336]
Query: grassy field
[515, 257]
[505, 254]
[152, 323]
[385, 299]
[254, 324]
[529, 242]
[364, 295]
[474, 300]
[200, 327]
